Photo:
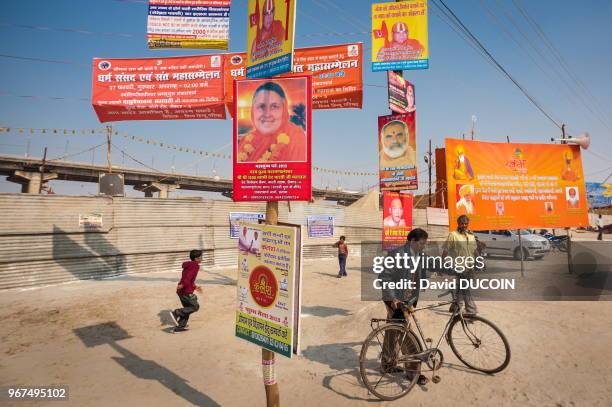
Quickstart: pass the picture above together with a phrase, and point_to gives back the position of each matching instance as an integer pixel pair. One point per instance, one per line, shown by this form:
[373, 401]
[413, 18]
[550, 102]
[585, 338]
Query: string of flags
[161, 144]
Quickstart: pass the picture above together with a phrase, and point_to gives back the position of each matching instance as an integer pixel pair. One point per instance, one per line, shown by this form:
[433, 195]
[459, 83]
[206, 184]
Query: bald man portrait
[396, 214]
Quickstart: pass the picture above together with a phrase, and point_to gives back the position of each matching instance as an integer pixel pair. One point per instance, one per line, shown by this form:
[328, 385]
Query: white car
[506, 243]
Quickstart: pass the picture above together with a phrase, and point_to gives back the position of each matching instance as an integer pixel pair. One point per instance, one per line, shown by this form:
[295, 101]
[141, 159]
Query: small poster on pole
[401, 94]
[268, 295]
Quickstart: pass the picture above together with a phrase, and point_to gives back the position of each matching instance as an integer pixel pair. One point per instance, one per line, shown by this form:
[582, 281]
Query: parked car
[506, 243]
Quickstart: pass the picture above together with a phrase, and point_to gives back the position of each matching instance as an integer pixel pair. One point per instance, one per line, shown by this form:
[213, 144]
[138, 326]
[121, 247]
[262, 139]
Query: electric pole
[109, 135]
[42, 171]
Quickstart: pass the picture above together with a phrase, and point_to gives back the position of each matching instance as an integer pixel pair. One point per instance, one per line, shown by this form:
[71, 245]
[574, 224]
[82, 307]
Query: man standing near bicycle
[395, 298]
[462, 244]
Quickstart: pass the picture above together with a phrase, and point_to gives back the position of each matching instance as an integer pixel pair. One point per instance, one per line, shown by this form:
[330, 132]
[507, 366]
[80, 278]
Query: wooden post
[267, 356]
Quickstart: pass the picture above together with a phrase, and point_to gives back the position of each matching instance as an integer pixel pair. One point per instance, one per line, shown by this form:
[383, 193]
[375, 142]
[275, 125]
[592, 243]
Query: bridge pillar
[31, 181]
[161, 189]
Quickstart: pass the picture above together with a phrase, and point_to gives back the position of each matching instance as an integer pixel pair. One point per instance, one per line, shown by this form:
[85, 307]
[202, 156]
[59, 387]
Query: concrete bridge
[27, 172]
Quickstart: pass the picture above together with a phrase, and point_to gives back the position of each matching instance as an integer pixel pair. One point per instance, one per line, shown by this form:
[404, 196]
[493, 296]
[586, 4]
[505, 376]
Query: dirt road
[110, 342]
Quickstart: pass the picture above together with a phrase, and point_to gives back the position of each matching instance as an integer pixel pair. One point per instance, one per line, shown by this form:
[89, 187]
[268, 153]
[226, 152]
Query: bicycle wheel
[479, 344]
[384, 362]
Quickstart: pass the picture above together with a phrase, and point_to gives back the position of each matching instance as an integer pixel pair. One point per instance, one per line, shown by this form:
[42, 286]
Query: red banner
[174, 88]
[397, 218]
[337, 79]
[272, 139]
[401, 93]
[397, 152]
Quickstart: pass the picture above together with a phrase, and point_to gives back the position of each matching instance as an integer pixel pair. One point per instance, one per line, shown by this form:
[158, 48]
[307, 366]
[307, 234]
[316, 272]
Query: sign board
[250, 217]
[337, 78]
[599, 195]
[172, 88]
[320, 226]
[272, 140]
[268, 293]
[397, 218]
[397, 152]
[270, 35]
[437, 216]
[515, 186]
[399, 35]
[401, 93]
[188, 24]
[90, 221]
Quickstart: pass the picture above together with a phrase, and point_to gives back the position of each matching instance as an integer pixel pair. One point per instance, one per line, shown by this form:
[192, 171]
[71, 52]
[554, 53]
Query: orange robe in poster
[288, 143]
[267, 42]
[409, 49]
[569, 174]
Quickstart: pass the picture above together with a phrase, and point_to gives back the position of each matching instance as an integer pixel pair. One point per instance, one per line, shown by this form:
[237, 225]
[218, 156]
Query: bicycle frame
[409, 316]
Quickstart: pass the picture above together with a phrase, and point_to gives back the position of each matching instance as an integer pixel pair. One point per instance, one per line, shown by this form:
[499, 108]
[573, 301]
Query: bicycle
[399, 357]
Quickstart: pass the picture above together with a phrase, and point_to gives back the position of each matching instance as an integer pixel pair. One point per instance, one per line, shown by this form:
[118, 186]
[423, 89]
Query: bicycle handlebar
[445, 293]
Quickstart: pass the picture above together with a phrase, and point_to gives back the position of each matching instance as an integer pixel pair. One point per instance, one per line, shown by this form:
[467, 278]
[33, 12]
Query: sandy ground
[109, 341]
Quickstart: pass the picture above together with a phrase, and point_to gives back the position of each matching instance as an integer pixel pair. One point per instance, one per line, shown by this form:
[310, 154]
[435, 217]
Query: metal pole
[42, 171]
[570, 266]
[521, 249]
[109, 135]
[267, 356]
[429, 167]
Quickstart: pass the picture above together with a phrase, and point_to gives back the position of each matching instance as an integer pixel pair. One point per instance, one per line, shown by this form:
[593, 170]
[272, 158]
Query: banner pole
[521, 249]
[267, 356]
[570, 266]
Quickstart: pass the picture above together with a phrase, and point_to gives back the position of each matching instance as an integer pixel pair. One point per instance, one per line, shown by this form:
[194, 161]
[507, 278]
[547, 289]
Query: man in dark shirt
[393, 298]
[185, 289]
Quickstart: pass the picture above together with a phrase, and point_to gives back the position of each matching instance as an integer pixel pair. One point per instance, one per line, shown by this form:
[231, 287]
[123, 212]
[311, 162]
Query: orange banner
[175, 88]
[515, 186]
[336, 74]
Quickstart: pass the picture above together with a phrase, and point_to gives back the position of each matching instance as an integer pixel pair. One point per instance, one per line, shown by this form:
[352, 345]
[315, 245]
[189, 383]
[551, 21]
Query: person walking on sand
[185, 289]
[342, 255]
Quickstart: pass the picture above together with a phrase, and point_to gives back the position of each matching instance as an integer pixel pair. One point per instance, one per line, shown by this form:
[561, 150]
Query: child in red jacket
[185, 289]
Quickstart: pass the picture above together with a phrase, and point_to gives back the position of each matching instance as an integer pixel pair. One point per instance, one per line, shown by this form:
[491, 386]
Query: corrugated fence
[42, 241]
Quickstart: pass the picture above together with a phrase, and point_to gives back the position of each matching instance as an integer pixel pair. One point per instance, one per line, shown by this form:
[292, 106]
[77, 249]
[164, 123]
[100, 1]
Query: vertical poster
[267, 311]
[399, 35]
[320, 226]
[188, 24]
[270, 35]
[401, 93]
[272, 140]
[174, 88]
[515, 186]
[397, 152]
[236, 217]
[397, 218]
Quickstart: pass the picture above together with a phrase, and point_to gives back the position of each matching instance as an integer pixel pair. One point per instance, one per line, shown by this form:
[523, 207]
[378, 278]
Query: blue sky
[459, 83]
